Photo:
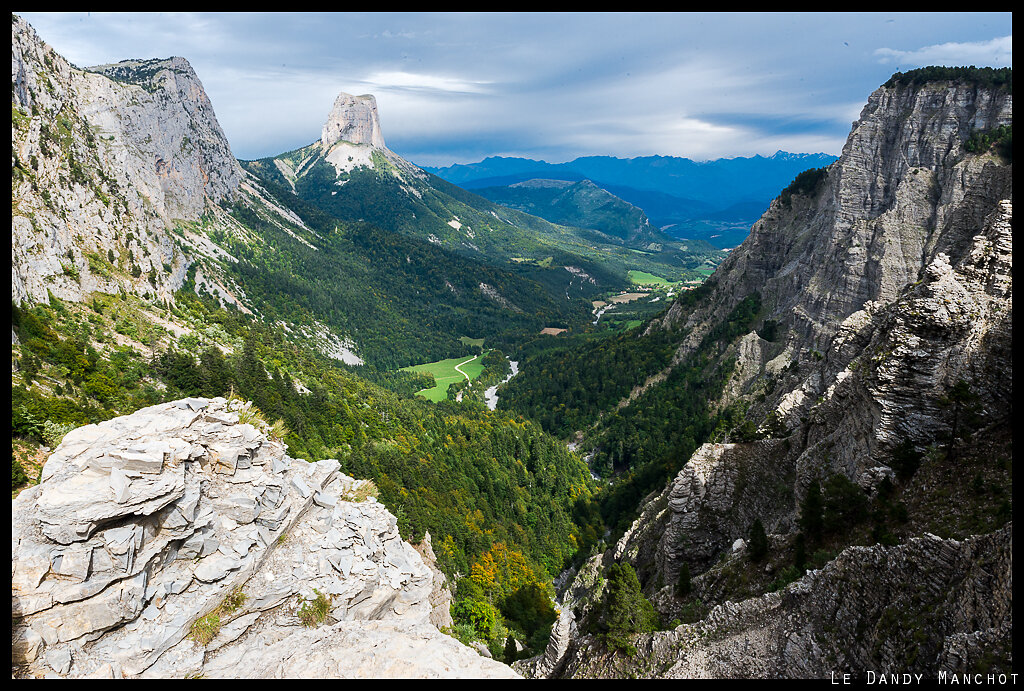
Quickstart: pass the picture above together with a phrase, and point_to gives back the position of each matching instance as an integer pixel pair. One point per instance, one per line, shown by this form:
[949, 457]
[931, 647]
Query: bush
[18, 476]
[786, 576]
[205, 629]
[805, 183]
[905, 459]
[529, 608]
[846, 504]
[53, 432]
[811, 512]
[313, 612]
[683, 585]
[482, 616]
[1001, 77]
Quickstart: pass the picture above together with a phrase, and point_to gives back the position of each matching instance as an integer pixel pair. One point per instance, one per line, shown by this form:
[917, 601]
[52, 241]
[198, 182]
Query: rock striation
[903, 191]
[105, 161]
[865, 610]
[353, 119]
[183, 519]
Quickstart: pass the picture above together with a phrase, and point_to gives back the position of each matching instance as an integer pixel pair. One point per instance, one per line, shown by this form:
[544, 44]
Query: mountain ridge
[880, 296]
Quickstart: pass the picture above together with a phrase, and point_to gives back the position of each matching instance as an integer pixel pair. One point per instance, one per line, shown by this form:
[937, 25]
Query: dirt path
[458, 366]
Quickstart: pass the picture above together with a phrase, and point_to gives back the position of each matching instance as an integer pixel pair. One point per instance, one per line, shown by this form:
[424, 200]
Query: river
[491, 394]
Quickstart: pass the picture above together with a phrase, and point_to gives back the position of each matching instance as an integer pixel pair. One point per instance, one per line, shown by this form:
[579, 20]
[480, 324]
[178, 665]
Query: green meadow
[445, 374]
[643, 278]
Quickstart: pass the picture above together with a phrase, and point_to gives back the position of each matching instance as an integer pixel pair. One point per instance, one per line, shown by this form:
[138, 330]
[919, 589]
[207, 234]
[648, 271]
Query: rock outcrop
[181, 540]
[105, 162]
[903, 190]
[925, 607]
[353, 119]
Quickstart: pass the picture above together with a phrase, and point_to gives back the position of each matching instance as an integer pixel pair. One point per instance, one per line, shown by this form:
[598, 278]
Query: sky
[456, 88]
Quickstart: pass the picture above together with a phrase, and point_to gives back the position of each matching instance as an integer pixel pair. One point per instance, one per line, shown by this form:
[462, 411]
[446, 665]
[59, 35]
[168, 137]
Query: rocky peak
[895, 198]
[353, 119]
[105, 161]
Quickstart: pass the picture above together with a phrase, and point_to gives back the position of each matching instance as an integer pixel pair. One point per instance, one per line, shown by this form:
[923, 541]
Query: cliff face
[105, 163]
[923, 607]
[890, 283]
[355, 120]
[903, 191]
[182, 541]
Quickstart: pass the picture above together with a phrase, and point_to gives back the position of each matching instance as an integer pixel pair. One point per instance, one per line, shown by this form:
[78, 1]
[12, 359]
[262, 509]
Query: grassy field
[466, 340]
[445, 374]
[643, 278]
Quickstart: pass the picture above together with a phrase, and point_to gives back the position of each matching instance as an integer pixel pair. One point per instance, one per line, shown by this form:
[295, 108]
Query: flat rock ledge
[148, 527]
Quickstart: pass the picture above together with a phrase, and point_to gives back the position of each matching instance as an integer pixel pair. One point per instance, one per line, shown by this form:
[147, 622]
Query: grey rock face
[859, 612]
[903, 191]
[140, 529]
[106, 162]
[890, 284]
[353, 119]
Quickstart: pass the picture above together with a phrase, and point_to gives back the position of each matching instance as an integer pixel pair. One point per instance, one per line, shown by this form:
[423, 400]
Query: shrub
[205, 629]
[805, 183]
[482, 616]
[683, 584]
[786, 576]
[53, 432]
[905, 459]
[18, 476]
[845, 504]
[811, 512]
[314, 612]
[800, 551]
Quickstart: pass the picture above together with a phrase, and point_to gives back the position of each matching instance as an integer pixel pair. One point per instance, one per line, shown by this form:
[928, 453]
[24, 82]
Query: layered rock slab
[180, 513]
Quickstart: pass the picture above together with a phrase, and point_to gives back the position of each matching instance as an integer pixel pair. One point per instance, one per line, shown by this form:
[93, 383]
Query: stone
[215, 567]
[26, 646]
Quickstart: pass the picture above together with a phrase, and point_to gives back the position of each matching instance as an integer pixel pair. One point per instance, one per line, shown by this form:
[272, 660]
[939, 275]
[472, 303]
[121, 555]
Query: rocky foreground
[183, 541]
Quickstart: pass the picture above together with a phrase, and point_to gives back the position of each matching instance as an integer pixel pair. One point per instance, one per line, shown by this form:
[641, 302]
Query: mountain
[843, 348]
[124, 158]
[123, 181]
[798, 467]
[718, 183]
[582, 204]
[350, 174]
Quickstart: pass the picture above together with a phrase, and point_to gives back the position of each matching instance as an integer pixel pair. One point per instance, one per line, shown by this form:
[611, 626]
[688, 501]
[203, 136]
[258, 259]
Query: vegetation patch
[446, 373]
[806, 183]
[644, 278]
[313, 612]
[205, 629]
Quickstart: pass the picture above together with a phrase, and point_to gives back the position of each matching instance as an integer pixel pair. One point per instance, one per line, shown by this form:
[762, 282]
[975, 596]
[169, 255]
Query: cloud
[997, 52]
[424, 82]
[550, 85]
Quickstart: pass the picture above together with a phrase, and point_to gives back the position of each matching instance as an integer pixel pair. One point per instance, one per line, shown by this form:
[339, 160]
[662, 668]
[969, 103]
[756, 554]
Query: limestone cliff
[122, 180]
[182, 540]
[353, 119]
[105, 162]
[867, 610]
[889, 282]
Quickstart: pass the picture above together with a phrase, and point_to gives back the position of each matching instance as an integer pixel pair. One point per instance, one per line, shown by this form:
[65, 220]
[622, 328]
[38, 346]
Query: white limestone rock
[104, 588]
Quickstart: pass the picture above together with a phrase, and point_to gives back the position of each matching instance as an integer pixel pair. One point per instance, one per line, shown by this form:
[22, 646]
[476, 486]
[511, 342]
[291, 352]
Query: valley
[603, 419]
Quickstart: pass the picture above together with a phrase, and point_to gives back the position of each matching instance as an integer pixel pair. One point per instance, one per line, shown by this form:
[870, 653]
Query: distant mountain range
[581, 204]
[672, 191]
